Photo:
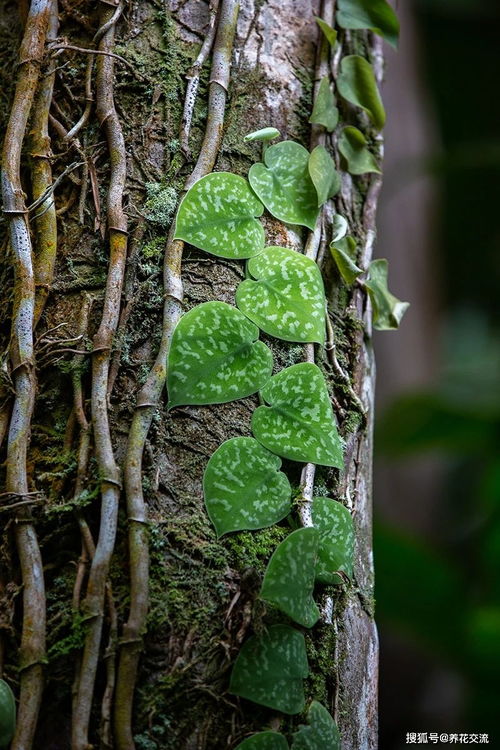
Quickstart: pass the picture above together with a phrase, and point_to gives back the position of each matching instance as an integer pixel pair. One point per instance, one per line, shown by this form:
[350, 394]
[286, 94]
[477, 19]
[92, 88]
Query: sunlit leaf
[264, 741]
[270, 669]
[356, 83]
[321, 734]
[299, 424]
[387, 309]
[215, 357]
[218, 215]
[352, 146]
[265, 134]
[330, 34]
[286, 297]
[339, 228]
[290, 575]
[325, 177]
[376, 15]
[7, 714]
[244, 488]
[343, 252]
[284, 186]
[336, 548]
[324, 110]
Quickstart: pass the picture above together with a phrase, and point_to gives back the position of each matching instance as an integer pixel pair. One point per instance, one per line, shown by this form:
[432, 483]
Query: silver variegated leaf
[336, 539]
[321, 734]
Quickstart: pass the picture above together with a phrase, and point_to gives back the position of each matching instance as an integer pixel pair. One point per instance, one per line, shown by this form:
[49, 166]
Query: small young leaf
[284, 186]
[244, 488]
[269, 670]
[321, 734]
[290, 575]
[264, 741]
[325, 177]
[376, 15]
[299, 424]
[215, 357]
[265, 134]
[352, 146]
[218, 215]
[324, 110]
[330, 34]
[356, 83]
[339, 228]
[387, 309]
[336, 546]
[287, 297]
[343, 252]
[7, 714]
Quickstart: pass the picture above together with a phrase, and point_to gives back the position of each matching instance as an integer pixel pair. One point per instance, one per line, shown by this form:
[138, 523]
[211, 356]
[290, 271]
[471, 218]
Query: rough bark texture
[203, 592]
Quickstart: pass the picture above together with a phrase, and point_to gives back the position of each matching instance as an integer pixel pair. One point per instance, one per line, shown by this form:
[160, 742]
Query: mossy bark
[203, 591]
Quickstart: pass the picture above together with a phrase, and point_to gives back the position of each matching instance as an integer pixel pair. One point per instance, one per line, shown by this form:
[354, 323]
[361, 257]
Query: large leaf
[330, 34]
[376, 15]
[336, 546]
[325, 177]
[387, 309]
[215, 357]
[218, 215]
[290, 575]
[7, 714]
[264, 741]
[284, 186]
[356, 83]
[352, 146]
[244, 488]
[298, 423]
[286, 297]
[269, 670]
[324, 110]
[321, 734]
[343, 252]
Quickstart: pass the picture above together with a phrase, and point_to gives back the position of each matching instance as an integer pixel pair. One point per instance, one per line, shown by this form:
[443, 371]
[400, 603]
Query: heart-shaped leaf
[215, 357]
[7, 714]
[387, 309]
[330, 34]
[244, 488]
[324, 110]
[283, 184]
[352, 146]
[321, 734]
[265, 134]
[356, 83]
[343, 252]
[376, 15]
[286, 298]
[264, 741]
[269, 670]
[290, 575]
[298, 423]
[218, 215]
[325, 177]
[336, 547]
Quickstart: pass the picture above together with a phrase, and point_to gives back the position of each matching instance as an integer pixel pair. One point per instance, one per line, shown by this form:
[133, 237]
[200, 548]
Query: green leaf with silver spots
[264, 741]
[354, 149]
[218, 215]
[376, 15]
[325, 177]
[270, 669]
[356, 83]
[284, 186]
[343, 252]
[7, 714]
[321, 734]
[388, 310]
[215, 357]
[336, 539]
[244, 488]
[290, 575]
[299, 424]
[324, 110]
[285, 297]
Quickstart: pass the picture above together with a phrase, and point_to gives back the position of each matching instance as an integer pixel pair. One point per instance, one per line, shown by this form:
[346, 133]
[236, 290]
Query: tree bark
[203, 600]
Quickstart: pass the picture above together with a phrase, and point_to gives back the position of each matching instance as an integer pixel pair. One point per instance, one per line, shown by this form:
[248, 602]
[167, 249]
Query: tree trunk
[99, 321]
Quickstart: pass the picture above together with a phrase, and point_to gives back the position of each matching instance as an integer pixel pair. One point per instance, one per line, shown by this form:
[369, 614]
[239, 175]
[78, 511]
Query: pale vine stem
[93, 605]
[32, 651]
[149, 395]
